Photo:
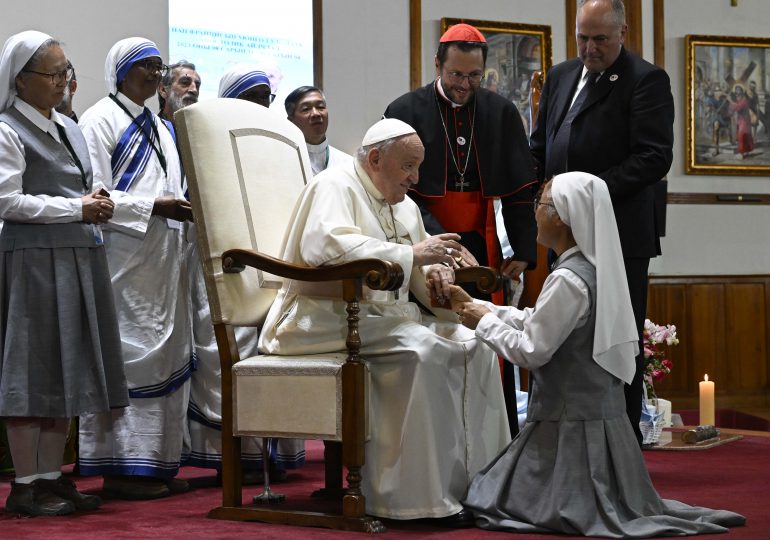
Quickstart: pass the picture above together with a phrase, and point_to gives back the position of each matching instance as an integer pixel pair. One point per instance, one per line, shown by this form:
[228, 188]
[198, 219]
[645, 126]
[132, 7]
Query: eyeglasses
[257, 96]
[457, 78]
[57, 77]
[538, 203]
[153, 66]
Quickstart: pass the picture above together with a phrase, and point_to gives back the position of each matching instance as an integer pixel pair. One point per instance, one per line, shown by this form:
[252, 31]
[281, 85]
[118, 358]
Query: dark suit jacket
[623, 134]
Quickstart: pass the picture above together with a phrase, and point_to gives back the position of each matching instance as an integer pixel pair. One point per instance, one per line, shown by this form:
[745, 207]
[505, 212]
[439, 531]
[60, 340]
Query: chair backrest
[245, 167]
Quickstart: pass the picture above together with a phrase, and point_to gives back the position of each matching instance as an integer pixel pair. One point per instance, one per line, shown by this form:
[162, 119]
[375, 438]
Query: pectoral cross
[461, 184]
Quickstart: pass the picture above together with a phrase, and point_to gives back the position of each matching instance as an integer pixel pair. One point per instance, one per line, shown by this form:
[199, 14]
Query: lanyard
[157, 149]
[75, 157]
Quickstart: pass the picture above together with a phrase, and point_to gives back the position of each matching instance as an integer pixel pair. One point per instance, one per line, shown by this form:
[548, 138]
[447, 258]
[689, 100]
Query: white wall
[701, 239]
[548, 12]
[366, 66]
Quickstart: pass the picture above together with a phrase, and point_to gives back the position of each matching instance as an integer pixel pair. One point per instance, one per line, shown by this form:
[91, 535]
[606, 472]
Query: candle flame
[706, 377]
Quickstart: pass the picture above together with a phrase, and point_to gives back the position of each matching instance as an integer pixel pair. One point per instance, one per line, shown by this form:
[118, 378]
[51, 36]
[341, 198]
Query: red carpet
[734, 477]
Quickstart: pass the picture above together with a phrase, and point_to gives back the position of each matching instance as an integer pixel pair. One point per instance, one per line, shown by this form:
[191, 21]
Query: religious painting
[728, 105]
[516, 51]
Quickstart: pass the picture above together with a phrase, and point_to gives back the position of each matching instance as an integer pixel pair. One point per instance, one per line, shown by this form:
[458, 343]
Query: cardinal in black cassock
[476, 150]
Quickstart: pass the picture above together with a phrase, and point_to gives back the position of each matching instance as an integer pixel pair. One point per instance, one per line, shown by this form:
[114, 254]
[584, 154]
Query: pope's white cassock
[437, 410]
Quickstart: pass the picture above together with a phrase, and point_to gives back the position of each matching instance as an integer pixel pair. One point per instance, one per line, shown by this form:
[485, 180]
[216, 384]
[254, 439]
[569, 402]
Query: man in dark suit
[611, 113]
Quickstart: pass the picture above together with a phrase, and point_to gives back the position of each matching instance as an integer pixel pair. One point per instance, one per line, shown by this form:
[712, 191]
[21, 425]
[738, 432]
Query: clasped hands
[97, 207]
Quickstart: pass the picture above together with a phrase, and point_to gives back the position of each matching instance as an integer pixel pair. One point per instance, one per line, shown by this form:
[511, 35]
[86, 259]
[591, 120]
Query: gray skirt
[60, 349]
[582, 477]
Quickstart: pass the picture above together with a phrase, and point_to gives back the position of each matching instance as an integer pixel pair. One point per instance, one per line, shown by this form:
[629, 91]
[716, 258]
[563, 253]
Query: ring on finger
[448, 251]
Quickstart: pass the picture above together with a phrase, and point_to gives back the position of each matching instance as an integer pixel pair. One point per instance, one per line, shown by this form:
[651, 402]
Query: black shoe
[65, 489]
[32, 500]
[461, 520]
[177, 485]
[135, 488]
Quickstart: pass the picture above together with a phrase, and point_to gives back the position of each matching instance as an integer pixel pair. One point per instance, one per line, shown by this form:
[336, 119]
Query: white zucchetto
[387, 128]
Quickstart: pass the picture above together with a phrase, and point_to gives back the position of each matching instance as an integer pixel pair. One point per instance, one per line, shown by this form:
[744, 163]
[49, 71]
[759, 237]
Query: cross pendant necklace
[460, 183]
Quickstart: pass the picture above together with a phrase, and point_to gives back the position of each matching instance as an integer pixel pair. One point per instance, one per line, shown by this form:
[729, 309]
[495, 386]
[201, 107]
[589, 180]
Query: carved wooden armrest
[375, 273]
[487, 280]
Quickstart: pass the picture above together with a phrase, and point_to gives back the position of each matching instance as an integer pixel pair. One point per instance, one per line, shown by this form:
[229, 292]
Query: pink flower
[657, 375]
[668, 364]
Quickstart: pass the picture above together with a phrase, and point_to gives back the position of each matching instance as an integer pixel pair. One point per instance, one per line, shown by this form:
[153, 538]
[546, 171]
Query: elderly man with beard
[178, 88]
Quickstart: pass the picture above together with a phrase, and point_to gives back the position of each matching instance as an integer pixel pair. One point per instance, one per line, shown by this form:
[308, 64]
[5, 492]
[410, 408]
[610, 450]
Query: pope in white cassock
[437, 409]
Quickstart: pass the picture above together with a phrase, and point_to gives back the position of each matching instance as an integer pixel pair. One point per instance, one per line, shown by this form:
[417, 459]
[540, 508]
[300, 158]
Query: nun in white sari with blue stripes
[134, 157]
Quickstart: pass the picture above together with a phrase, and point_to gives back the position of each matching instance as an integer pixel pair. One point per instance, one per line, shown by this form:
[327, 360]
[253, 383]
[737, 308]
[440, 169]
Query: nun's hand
[171, 208]
[470, 314]
[458, 296]
[97, 209]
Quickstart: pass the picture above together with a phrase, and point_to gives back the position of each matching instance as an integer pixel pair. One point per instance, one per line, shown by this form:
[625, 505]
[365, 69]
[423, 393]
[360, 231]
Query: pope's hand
[442, 248]
[440, 278]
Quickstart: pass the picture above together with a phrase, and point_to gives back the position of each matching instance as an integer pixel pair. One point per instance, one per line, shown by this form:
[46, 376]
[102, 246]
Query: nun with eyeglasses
[139, 449]
[576, 467]
[60, 353]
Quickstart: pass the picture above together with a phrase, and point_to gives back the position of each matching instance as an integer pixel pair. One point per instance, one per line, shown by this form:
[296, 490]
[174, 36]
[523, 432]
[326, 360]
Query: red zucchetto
[463, 32]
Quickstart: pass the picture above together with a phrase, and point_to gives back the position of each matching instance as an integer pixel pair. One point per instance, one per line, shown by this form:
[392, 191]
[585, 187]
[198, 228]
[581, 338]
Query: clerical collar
[440, 90]
[369, 186]
[318, 148]
[565, 255]
[319, 156]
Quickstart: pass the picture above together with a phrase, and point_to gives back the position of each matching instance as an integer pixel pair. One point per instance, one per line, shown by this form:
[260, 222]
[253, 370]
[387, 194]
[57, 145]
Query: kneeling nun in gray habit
[576, 465]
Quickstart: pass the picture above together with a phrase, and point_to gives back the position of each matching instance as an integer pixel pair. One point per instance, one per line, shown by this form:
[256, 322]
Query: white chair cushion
[290, 397]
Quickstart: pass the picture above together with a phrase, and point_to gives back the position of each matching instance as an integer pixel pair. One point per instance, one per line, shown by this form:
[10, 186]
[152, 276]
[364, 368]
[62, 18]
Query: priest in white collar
[436, 399]
[306, 108]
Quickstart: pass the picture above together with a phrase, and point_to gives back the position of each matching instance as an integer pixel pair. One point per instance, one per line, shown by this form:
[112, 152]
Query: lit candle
[706, 401]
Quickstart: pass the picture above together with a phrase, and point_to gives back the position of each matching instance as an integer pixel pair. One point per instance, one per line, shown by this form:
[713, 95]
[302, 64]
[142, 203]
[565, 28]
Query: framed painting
[515, 52]
[727, 89]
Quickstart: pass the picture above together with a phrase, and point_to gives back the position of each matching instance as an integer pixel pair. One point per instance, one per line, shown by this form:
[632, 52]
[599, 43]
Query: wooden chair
[246, 168]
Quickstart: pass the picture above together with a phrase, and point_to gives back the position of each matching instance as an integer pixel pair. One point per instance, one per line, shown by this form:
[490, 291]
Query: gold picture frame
[727, 95]
[515, 52]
